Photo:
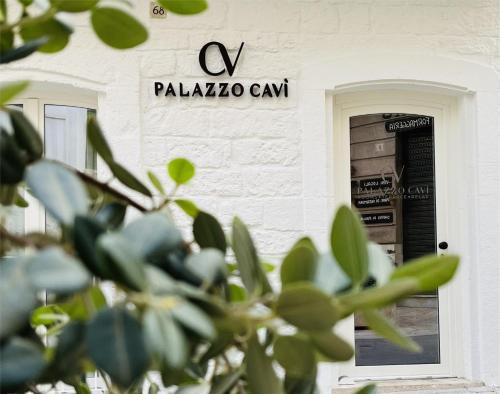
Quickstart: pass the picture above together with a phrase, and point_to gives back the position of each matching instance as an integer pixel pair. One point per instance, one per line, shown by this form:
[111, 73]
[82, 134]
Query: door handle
[443, 245]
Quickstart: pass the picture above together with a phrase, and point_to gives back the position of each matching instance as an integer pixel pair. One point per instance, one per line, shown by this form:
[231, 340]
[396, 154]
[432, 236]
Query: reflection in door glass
[66, 141]
[392, 180]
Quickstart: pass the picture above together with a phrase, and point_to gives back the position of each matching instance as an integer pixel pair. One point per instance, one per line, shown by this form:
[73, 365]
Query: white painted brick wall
[248, 152]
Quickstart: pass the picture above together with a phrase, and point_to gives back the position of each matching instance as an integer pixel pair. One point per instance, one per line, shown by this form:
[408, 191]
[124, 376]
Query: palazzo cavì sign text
[221, 88]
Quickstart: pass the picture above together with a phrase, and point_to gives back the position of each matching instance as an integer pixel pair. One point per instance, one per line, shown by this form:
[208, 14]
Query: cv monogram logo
[230, 66]
[221, 88]
[393, 172]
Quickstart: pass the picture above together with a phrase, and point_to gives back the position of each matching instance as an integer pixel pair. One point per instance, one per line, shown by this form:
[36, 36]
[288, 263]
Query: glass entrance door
[393, 187]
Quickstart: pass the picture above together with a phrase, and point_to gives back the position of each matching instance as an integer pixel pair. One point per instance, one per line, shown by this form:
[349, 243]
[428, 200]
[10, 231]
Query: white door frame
[473, 153]
[442, 109]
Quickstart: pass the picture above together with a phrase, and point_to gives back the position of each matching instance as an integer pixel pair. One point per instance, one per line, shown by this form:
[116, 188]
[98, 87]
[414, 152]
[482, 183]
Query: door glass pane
[393, 183]
[66, 141]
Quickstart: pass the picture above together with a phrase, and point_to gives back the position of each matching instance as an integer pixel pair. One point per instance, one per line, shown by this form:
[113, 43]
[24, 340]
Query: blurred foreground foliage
[200, 311]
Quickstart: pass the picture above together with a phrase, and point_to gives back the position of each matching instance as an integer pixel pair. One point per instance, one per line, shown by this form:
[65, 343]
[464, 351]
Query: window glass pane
[393, 183]
[66, 136]
[14, 219]
[66, 140]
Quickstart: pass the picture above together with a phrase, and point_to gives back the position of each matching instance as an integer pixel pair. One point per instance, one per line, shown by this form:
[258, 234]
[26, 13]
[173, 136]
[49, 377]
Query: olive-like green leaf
[17, 296]
[115, 343]
[379, 297]
[70, 351]
[260, 372]
[253, 277]
[306, 242]
[180, 170]
[165, 339]
[331, 346]
[268, 267]
[6, 41]
[112, 215]
[153, 235]
[208, 265]
[98, 140]
[237, 293]
[54, 271]
[56, 31]
[194, 319]
[174, 264]
[299, 265]
[120, 261]
[20, 201]
[223, 340]
[48, 315]
[348, 242]
[8, 194]
[208, 232]
[3, 10]
[295, 355]
[188, 207]
[305, 385]
[12, 162]
[21, 362]
[223, 384]
[153, 389]
[329, 277]
[368, 389]
[81, 387]
[307, 307]
[74, 5]
[430, 272]
[85, 233]
[23, 51]
[81, 306]
[156, 182]
[58, 189]
[10, 90]
[383, 327]
[128, 179]
[380, 265]
[26, 135]
[159, 282]
[117, 29]
[184, 7]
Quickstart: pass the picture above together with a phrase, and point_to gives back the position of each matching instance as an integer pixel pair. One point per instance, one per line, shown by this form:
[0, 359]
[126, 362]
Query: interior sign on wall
[377, 218]
[221, 88]
[372, 201]
[408, 123]
[371, 184]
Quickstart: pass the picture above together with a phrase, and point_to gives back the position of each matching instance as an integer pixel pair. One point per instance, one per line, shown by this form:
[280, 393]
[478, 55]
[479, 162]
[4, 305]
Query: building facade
[318, 103]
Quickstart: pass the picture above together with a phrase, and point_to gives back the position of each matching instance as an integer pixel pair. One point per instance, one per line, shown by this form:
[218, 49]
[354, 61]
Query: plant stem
[108, 189]
[106, 382]
[18, 240]
[101, 186]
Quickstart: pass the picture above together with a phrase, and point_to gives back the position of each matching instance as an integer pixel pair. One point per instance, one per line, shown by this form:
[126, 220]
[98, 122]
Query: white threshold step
[422, 386]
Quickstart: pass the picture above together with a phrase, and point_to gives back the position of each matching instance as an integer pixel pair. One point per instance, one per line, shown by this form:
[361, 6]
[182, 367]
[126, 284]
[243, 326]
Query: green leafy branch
[42, 29]
[182, 311]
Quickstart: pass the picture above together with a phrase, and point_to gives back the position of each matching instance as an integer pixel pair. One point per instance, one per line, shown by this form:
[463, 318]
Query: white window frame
[33, 103]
